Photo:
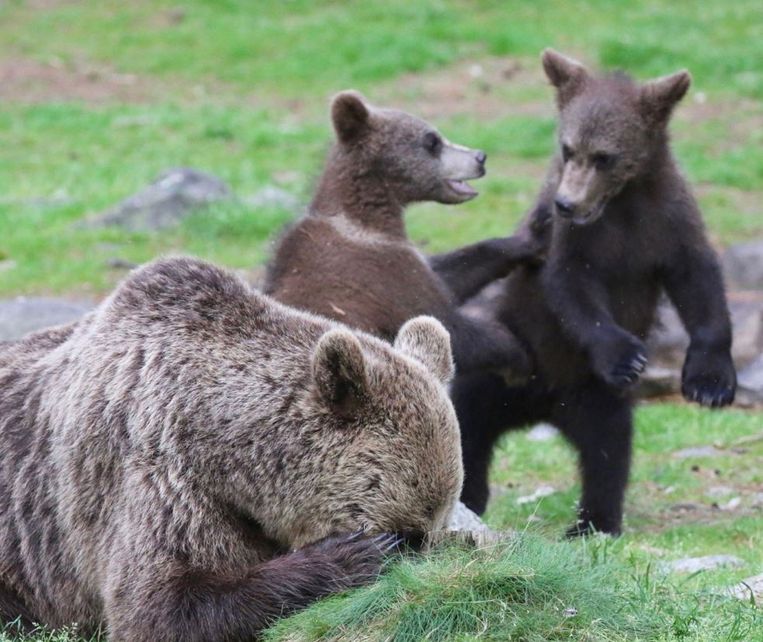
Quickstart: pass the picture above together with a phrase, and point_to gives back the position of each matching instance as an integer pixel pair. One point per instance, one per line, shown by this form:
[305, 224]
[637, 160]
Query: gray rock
[22, 315]
[668, 340]
[750, 383]
[542, 432]
[659, 382]
[165, 202]
[540, 493]
[466, 527]
[748, 589]
[743, 265]
[706, 563]
[698, 451]
[463, 519]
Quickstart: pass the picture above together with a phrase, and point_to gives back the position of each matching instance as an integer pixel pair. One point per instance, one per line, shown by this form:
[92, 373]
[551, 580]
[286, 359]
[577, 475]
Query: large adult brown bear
[623, 227]
[186, 462]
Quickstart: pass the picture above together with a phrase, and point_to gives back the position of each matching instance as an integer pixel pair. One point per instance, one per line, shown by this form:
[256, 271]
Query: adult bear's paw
[620, 360]
[709, 378]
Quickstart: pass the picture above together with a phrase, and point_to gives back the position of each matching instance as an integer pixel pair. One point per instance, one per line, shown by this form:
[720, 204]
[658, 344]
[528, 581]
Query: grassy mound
[529, 589]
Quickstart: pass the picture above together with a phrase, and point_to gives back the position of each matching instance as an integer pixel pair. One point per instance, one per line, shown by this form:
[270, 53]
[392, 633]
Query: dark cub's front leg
[579, 302]
[695, 286]
[598, 421]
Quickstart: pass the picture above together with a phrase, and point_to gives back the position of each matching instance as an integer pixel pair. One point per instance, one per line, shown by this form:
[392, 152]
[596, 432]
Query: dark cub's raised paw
[709, 378]
[620, 360]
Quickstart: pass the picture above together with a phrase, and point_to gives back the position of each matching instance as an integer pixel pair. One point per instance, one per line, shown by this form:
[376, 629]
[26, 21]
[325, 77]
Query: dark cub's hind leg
[486, 409]
[599, 423]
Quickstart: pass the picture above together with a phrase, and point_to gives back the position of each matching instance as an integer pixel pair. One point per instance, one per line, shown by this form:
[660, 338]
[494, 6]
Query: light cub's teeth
[461, 187]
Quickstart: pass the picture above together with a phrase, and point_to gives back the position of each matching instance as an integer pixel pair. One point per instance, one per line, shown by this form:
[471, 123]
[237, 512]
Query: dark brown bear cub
[623, 227]
[350, 258]
[168, 463]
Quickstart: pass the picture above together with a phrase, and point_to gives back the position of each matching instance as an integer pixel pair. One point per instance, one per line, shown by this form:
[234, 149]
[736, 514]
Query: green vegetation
[106, 95]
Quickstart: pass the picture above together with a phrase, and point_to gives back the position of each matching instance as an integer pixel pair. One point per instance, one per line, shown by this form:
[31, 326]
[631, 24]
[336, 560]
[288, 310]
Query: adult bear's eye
[432, 143]
[603, 161]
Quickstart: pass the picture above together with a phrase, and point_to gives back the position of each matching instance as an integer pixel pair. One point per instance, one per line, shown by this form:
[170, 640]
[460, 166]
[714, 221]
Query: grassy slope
[243, 92]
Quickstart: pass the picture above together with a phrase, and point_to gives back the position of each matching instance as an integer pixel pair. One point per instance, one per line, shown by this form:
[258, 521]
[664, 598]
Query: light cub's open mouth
[461, 188]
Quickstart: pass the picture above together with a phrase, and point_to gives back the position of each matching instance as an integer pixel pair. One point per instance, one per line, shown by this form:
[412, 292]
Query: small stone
[698, 451]
[743, 265]
[706, 563]
[732, 504]
[540, 493]
[464, 519]
[748, 589]
[22, 315]
[719, 491]
[542, 432]
[685, 507]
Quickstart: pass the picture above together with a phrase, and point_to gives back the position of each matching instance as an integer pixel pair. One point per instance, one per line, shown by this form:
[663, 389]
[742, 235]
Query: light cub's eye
[432, 142]
[566, 153]
[602, 160]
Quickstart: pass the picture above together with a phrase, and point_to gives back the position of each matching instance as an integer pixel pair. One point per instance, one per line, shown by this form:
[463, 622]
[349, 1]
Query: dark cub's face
[603, 145]
[609, 129]
[409, 155]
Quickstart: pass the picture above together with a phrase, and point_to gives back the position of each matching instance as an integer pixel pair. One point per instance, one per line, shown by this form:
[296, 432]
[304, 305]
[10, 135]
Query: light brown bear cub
[169, 464]
[350, 258]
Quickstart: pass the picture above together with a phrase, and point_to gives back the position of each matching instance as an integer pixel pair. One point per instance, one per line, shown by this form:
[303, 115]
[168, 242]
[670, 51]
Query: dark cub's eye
[432, 143]
[566, 153]
[603, 161]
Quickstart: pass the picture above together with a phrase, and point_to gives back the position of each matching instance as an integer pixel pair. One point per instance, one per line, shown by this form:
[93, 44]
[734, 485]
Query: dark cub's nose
[564, 206]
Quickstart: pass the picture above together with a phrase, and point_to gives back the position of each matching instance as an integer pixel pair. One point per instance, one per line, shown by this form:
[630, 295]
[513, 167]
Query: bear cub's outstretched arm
[469, 269]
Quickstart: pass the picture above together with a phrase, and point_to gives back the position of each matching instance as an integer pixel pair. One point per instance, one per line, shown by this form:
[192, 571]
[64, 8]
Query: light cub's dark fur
[185, 462]
[622, 228]
[350, 258]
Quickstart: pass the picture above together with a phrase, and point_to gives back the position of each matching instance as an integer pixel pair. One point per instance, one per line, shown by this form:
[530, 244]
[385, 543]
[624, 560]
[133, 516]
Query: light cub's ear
[350, 115]
[339, 370]
[566, 74]
[426, 340]
[658, 97]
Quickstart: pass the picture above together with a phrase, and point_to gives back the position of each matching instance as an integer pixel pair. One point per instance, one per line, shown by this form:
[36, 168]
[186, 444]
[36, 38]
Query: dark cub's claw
[709, 379]
[623, 369]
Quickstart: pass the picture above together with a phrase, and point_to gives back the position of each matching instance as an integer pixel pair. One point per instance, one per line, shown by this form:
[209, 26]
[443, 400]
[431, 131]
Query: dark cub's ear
[426, 340]
[566, 74]
[350, 115]
[339, 369]
[658, 97]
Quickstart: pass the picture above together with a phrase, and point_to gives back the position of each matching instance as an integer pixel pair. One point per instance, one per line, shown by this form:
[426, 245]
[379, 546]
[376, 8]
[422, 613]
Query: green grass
[241, 89]
[530, 589]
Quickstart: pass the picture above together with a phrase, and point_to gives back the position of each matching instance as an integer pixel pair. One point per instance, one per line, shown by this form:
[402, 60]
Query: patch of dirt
[740, 116]
[481, 88]
[28, 81]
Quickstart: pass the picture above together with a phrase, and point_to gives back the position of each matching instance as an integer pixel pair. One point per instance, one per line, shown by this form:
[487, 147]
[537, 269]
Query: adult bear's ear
[339, 370]
[658, 97]
[350, 115]
[426, 340]
[567, 75]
